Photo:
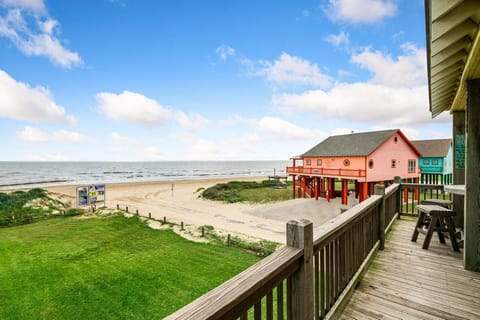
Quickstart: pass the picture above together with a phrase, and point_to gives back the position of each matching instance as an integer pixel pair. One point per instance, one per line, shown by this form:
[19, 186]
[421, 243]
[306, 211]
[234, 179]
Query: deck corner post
[300, 235]
[380, 191]
[398, 203]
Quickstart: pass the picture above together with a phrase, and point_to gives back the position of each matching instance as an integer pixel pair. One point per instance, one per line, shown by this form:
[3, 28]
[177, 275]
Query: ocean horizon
[33, 174]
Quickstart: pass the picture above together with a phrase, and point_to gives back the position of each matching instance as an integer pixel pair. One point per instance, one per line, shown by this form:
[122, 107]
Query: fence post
[300, 235]
[398, 204]
[380, 191]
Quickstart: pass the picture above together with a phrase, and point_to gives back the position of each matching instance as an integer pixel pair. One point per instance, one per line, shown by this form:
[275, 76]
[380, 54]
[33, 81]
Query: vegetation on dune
[110, 267]
[249, 191]
[20, 207]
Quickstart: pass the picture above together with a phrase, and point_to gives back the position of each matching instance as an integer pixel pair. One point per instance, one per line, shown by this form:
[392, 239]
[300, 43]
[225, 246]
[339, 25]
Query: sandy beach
[180, 201]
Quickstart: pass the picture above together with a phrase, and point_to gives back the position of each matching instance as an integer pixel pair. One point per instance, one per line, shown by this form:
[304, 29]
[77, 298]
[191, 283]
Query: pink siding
[336, 163]
[383, 156]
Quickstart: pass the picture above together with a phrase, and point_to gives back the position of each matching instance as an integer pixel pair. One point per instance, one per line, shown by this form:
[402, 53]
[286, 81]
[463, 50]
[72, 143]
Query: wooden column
[380, 191]
[344, 191]
[300, 235]
[317, 187]
[398, 204]
[332, 188]
[471, 253]
[458, 133]
[293, 186]
[417, 190]
[328, 192]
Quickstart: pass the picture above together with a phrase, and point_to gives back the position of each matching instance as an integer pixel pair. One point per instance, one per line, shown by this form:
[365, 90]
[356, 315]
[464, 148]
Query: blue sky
[127, 80]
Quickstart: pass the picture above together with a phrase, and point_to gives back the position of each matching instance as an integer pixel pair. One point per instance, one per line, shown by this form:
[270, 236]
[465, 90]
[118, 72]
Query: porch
[406, 282]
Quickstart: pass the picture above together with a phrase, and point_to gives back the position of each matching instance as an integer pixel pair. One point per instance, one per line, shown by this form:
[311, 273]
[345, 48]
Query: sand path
[266, 221]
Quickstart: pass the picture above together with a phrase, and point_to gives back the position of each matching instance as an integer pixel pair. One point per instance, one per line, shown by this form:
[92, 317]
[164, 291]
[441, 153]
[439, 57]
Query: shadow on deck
[406, 282]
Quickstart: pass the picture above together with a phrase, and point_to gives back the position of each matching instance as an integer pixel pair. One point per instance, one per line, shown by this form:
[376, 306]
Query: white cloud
[395, 94]
[279, 128]
[191, 122]
[342, 39]
[123, 140]
[407, 70]
[289, 69]
[38, 38]
[132, 107]
[361, 102]
[136, 108]
[410, 132]
[34, 135]
[36, 6]
[225, 51]
[19, 101]
[360, 11]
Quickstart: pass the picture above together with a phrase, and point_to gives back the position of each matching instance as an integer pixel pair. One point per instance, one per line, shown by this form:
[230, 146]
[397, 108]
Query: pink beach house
[366, 158]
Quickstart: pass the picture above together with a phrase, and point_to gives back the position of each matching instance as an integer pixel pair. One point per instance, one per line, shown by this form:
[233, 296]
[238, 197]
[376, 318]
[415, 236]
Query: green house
[436, 163]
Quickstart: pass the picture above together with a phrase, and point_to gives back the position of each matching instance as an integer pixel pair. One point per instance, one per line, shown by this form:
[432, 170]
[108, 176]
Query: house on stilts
[436, 163]
[363, 159]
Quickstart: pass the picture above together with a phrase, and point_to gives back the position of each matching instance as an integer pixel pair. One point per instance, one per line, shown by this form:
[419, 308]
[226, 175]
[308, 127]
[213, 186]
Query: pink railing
[327, 172]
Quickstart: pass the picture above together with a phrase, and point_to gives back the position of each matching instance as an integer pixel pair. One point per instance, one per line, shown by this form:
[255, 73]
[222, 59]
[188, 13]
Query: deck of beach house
[364, 264]
[364, 159]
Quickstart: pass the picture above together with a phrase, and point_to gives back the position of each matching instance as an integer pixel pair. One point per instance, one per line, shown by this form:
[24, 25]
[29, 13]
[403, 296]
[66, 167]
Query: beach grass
[106, 268]
[249, 191]
[20, 207]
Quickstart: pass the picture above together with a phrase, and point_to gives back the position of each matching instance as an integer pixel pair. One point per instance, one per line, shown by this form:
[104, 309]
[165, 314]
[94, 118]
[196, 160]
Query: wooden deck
[406, 282]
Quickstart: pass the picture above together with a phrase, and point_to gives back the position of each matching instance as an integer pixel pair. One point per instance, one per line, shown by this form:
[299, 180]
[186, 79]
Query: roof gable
[433, 148]
[355, 144]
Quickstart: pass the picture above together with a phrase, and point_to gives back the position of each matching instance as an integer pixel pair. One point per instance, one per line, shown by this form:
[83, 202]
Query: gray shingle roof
[355, 144]
[437, 148]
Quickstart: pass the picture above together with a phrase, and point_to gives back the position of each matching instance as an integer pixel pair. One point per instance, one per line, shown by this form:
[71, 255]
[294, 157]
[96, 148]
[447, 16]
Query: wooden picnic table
[433, 218]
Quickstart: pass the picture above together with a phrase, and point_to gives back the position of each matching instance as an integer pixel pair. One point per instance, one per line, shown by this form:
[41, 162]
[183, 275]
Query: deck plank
[406, 282]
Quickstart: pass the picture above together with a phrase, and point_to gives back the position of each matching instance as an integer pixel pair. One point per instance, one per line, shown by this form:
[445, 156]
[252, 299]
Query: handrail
[327, 171]
[338, 224]
[230, 299]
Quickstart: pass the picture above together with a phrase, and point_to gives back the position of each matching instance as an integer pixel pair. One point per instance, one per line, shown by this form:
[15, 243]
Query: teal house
[436, 163]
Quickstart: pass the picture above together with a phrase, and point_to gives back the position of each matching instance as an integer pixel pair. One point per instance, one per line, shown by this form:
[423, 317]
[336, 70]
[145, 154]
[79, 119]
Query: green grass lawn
[106, 268]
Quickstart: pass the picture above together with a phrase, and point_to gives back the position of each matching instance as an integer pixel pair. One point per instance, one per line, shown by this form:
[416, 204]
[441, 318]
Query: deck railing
[412, 194]
[310, 275]
[357, 173]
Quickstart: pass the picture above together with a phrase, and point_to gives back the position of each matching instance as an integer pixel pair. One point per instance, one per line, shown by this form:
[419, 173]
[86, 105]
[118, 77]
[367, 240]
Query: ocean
[16, 175]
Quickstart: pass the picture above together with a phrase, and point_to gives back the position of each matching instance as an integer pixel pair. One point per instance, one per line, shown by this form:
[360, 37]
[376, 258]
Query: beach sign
[90, 195]
[82, 197]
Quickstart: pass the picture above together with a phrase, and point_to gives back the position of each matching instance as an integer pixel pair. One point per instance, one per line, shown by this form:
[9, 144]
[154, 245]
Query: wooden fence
[311, 277]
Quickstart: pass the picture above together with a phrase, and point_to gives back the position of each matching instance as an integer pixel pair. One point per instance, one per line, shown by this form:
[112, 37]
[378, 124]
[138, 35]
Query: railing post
[380, 191]
[398, 204]
[300, 235]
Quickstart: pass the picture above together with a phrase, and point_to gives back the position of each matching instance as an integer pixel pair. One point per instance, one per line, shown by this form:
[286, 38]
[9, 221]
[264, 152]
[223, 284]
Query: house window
[370, 164]
[319, 162]
[395, 139]
[394, 163]
[435, 162]
[412, 164]
[426, 161]
[346, 162]
[309, 162]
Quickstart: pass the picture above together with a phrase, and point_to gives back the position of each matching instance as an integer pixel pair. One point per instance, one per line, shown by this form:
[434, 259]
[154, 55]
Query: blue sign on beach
[82, 196]
[90, 195]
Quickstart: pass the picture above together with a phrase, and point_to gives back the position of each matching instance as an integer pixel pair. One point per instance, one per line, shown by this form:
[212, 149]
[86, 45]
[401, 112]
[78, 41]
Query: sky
[146, 80]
